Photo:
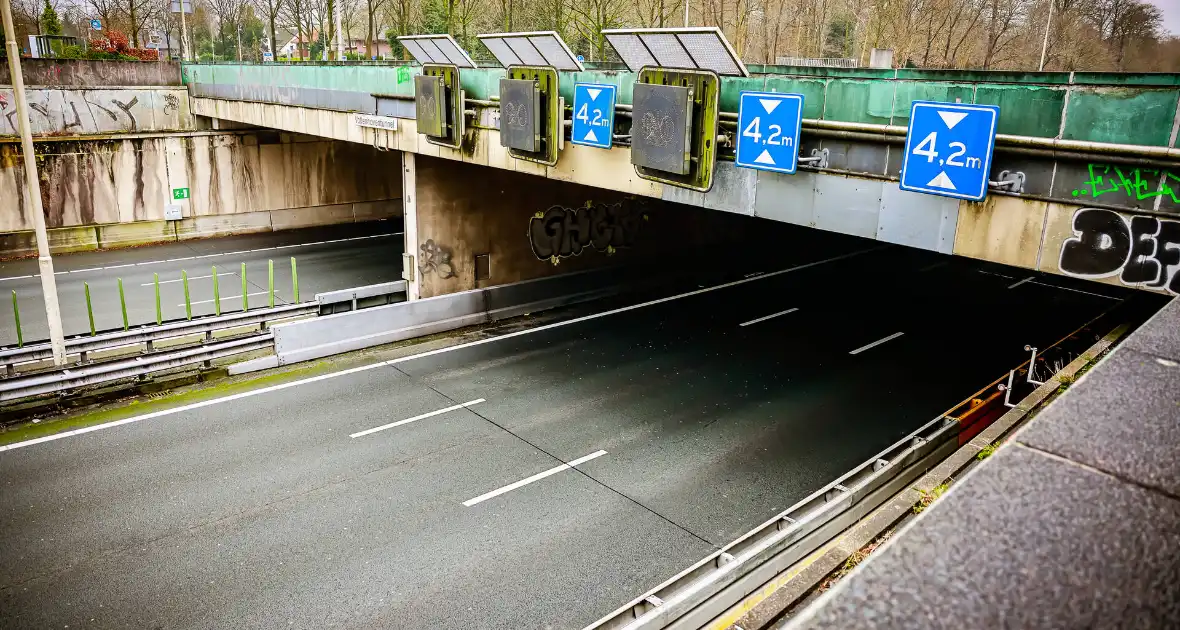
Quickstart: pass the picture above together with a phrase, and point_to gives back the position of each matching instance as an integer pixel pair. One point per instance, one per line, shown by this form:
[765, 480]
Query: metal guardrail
[329, 300]
[708, 588]
[107, 371]
[149, 334]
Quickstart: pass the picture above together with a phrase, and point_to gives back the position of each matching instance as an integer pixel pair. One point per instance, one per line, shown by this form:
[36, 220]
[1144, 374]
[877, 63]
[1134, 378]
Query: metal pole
[339, 35]
[686, 3]
[1045, 44]
[239, 41]
[184, 51]
[33, 191]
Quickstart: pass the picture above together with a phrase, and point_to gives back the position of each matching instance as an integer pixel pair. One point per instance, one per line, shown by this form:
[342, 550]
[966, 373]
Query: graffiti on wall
[560, 232]
[435, 259]
[1139, 250]
[1112, 182]
[56, 112]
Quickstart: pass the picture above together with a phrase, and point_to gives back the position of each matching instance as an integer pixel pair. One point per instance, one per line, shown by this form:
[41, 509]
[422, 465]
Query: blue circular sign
[96, 25]
[581, 59]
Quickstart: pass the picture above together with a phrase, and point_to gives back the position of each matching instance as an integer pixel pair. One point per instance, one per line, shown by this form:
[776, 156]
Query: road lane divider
[771, 316]
[877, 343]
[537, 477]
[429, 414]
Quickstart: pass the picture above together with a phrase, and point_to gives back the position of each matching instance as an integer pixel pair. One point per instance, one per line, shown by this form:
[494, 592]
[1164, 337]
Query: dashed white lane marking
[430, 353]
[152, 284]
[233, 253]
[537, 477]
[1016, 284]
[877, 343]
[992, 273]
[771, 316]
[430, 414]
[229, 298]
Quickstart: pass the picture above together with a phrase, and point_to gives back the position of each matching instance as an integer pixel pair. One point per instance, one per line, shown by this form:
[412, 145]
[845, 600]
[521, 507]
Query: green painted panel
[910, 91]
[843, 73]
[1161, 79]
[984, 76]
[1025, 111]
[859, 101]
[811, 89]
[732, 87]
[1121, 115]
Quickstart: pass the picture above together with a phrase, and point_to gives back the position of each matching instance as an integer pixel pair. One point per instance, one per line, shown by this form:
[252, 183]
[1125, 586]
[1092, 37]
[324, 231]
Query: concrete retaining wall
[98, 111]
[117, 190]
[94, 73]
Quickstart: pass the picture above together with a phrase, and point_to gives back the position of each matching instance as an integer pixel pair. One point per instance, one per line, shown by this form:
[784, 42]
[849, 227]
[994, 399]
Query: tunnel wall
[109, 193]
[531, 227]
[94, 72]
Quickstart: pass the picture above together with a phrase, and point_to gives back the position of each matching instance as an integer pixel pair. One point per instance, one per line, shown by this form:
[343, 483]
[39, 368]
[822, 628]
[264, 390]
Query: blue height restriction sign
[594, 115]
[768, 131]
[948, 149]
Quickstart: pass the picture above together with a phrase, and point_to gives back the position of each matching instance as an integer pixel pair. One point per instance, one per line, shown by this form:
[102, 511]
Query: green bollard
[89, 308]
[294, 280]
[188, 302]
[123, 304]
[245, 298]
[216, 293]
[271, 281]
[159, 310]
[20, 338]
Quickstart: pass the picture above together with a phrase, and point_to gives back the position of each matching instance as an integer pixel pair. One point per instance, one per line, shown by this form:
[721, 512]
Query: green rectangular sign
[180, 193]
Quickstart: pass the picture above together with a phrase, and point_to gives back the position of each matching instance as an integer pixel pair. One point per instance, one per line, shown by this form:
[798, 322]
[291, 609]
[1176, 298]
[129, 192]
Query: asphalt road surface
[327, 258]
[537, 479]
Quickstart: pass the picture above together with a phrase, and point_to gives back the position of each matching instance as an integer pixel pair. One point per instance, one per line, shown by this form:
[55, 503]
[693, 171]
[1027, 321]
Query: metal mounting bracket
[818, 159]
[1012, 180]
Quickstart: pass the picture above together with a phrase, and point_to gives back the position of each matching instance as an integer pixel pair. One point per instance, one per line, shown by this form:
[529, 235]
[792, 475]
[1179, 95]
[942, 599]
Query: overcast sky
[1171, 11]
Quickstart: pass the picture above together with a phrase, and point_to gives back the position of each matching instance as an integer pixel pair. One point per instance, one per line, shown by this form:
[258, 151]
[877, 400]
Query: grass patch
[930, 497]
[986, 452]
[856, 558]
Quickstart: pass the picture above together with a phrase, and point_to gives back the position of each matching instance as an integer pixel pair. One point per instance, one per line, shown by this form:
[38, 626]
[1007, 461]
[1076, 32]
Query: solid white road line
[1016, 284]
[229, 298]
[537, 477]
[233, 253]
[771, 316]
[877, 343]
[417, 418]
[1054, 286]
[430, 353]
[152, 284]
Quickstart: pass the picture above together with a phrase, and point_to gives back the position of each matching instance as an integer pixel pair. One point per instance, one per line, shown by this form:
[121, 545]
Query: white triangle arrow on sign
[765, 158]
[941, 181]
[951, 118]
[590, 137]
[769, 104]
[594, 92]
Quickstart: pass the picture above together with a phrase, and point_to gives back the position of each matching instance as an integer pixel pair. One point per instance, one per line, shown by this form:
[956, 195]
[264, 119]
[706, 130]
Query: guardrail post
[20, 338]
[89, 308]
[294, 281]
[216, 293]
[245, 298]
[188, 302]
[123, 303]
[270, 264]
[159, 311]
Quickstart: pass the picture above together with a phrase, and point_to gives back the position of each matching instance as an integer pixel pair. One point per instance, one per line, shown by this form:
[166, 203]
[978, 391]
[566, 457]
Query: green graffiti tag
[1137, 183]
[403, 74]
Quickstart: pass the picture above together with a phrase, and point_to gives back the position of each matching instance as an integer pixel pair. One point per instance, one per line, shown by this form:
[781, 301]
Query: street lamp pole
[686, 3]
[1045, 44]
[33, 190]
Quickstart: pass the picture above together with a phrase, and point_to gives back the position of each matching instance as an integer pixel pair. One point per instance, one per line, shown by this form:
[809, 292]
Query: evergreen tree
[50, 24]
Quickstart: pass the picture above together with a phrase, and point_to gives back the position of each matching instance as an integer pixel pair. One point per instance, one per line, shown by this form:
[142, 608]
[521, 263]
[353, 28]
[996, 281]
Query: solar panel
[436, 49]
[696, 48]
[542, 48]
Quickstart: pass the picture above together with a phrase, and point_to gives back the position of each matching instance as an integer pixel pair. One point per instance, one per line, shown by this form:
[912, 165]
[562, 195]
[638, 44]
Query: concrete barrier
[344, 332]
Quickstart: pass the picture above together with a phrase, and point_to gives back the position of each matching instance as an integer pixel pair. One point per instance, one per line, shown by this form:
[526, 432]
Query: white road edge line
[771, 316]
[430, 353]
[417, 418]
[877, 343]
[1016, 284]
[245, 251]
[537, 477]
[1054, 286]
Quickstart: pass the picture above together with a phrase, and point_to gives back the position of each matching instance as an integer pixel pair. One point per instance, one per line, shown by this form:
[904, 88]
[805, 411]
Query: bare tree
[270, 10]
